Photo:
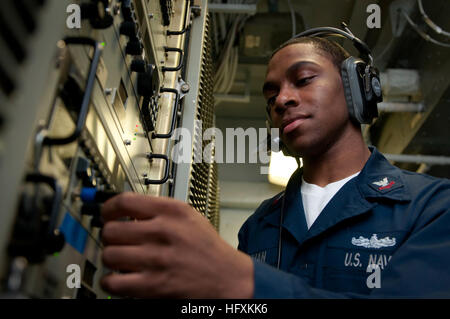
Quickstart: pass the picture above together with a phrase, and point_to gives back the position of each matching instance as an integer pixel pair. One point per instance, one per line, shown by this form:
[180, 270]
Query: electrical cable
[224, 64]
[430, 23]
[228, 60]
[423, 34]
[280, 231]
[293, 20]
[225, 53]
[234, 63]
[215, 30]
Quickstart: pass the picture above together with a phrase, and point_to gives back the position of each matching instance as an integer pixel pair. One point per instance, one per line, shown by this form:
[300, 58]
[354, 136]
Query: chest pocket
[266, 255]
[350, 259]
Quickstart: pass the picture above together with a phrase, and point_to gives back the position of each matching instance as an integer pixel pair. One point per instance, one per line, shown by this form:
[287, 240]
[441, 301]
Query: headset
[361, 81]
[362, 90]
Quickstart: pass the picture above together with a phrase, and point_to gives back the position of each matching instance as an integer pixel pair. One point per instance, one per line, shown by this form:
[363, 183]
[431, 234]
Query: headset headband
[330, 31]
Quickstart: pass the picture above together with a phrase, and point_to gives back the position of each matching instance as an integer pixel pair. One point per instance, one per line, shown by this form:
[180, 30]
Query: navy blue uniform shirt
[386, 233]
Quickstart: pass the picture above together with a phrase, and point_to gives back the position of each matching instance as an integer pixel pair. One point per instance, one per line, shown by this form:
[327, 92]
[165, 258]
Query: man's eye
[304, 81]
[271, 101]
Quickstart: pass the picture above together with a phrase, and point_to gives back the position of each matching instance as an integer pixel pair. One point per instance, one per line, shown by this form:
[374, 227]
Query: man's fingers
[134, 258]
[135, 206]
[132, 284]
[124, 258]
[132, 233]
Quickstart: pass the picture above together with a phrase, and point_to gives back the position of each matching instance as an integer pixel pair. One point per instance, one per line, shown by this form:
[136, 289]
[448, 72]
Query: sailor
[347, 212]
[349, 224]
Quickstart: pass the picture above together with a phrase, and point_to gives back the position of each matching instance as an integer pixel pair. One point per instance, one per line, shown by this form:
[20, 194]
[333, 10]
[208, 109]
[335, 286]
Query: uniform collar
[378, 180]
[293, 214]
[381, 179]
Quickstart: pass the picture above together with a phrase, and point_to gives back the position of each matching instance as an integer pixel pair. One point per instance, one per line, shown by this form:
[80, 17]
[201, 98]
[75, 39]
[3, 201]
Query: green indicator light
[56, 254]
[103, 44]
[109, 297]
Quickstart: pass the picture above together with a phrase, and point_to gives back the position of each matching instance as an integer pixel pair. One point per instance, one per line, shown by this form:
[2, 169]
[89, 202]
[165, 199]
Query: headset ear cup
[375, 84]
[347, 88]
[377, 94]
[356, 79]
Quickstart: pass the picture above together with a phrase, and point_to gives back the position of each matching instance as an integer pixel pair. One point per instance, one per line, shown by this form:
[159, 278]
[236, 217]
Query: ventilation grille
[203, 188]
[213, 196]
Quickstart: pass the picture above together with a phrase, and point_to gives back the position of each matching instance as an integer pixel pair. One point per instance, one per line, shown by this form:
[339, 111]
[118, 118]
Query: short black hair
[331, 49]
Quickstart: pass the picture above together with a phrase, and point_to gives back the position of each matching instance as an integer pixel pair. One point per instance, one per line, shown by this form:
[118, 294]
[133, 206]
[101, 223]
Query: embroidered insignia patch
[260, 256]
[384, 184]
[373, 242]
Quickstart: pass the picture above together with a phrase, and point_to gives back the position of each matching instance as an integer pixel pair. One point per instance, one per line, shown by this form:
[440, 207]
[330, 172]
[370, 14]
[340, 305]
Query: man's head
[330, 49]
[305, 95]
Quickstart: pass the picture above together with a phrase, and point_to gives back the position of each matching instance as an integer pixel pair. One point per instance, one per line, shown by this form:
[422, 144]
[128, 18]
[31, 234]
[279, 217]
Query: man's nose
[287, 96]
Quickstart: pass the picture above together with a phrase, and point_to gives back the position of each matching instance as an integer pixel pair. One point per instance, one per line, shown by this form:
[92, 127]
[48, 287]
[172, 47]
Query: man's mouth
[292, 124]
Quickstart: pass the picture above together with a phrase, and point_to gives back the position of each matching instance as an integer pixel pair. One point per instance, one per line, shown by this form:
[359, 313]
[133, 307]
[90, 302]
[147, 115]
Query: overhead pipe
[419, 159]
[400, 107]
[232, 8]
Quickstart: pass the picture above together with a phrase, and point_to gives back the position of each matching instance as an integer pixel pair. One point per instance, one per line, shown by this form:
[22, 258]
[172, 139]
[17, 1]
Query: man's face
[306, 99]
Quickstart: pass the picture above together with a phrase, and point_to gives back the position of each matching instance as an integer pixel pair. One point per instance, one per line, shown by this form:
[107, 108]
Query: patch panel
[99, 106]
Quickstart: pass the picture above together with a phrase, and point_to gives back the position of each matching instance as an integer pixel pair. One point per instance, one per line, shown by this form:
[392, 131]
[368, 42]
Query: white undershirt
[315, 198]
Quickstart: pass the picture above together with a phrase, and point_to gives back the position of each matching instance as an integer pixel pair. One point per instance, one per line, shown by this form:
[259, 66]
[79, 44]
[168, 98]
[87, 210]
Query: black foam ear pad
[360, 108]
[348, 93]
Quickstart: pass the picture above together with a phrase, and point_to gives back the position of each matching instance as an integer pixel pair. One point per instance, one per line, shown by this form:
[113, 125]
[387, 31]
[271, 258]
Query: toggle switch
[138, 65]
[93, 209]
[147, 81]
[96, 12]
[97, 221]
[84, 172]
[127, 10]
[134, 47]
[128, 28]
[90, 209]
